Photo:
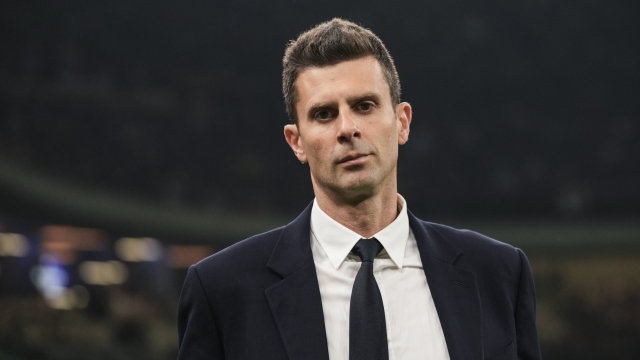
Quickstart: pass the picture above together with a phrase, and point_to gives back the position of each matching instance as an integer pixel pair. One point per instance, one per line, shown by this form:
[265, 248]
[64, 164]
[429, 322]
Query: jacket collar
[293, 249]
[432, 243]
[454, 290]
[295, 300]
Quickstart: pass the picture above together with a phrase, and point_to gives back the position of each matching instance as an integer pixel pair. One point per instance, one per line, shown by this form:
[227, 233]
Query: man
[356, 275]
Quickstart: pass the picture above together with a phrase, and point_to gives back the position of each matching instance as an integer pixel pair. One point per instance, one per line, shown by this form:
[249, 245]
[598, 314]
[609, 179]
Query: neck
[365, 216]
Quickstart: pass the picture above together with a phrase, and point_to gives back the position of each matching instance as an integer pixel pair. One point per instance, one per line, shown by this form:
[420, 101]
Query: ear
[403, 113]
[292, 135]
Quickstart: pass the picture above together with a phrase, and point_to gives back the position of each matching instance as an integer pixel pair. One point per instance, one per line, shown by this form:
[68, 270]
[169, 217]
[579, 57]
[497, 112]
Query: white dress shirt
[413, 328]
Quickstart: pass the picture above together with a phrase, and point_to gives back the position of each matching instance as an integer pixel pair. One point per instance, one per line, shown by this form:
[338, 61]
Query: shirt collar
[337, 240]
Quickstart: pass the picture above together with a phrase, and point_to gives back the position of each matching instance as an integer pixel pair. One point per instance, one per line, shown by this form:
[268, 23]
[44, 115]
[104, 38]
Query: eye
[365, 106]
[323, 115]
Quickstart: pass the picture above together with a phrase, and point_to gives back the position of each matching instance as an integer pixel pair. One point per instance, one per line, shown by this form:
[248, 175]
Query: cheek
[391, 136]
[317, 152]
[319, 146]
[390, 145]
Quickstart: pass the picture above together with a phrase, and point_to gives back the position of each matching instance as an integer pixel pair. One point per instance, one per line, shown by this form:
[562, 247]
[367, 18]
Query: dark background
[165, 119]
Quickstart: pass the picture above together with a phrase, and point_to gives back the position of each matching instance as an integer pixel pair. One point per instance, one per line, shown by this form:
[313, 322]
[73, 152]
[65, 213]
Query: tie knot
[367, 249]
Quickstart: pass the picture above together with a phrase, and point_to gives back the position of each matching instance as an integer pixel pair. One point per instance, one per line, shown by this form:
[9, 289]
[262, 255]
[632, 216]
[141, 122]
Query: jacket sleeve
[198, 337]
[525, 314]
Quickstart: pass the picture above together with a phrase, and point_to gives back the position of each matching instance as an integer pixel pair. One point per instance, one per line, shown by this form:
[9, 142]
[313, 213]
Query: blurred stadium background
[137, 137]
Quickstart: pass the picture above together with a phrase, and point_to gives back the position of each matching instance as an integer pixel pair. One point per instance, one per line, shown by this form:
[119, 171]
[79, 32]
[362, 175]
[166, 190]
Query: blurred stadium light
[15, 245]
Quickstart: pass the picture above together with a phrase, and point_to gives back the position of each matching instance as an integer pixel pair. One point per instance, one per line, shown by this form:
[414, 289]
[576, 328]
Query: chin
[364, 187]
[353, 184]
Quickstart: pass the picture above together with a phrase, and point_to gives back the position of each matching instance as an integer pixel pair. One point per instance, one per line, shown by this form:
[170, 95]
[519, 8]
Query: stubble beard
[352, 186]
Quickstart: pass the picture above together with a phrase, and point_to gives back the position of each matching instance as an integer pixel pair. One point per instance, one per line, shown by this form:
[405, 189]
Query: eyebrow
[364, 97]
[351, 100]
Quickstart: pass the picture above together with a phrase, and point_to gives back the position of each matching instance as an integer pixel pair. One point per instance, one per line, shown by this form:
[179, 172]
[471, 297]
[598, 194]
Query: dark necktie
[367, 327]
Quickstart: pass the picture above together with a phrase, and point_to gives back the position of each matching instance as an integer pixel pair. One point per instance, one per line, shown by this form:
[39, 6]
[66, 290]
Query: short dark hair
[330, 43]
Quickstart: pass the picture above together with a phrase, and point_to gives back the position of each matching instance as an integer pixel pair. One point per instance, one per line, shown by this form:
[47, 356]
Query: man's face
[348, 130]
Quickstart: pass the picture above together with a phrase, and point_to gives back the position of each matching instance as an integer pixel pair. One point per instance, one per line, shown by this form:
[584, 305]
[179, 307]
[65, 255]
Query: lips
[352, 158]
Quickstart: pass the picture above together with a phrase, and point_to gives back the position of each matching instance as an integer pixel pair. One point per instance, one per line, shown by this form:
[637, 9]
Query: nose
[347, 128]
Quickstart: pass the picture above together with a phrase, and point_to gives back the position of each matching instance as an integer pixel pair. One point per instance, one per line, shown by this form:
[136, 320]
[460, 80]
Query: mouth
[353, 159]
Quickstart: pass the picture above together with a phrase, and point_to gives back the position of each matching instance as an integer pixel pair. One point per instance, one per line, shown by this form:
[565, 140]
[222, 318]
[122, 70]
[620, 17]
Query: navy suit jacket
[259, 298]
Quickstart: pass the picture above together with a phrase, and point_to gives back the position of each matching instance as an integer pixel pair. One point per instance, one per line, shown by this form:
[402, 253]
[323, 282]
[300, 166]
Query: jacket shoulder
[475, 247]
[465, 237]
[253, 252]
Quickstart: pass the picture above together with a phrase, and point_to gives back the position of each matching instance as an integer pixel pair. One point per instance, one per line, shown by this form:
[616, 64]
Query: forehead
[343, 80]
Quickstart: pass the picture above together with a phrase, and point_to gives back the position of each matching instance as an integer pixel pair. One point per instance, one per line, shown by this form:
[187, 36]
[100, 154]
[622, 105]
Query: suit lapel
[454, 291]
[295, 300]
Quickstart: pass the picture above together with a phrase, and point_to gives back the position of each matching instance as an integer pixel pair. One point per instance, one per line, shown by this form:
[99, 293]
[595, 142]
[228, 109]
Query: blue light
[51, 278]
